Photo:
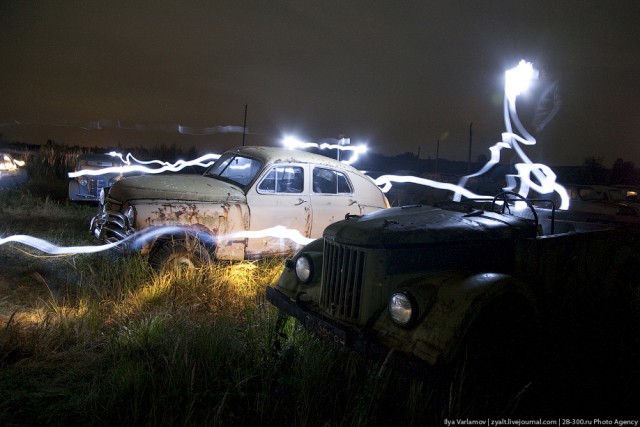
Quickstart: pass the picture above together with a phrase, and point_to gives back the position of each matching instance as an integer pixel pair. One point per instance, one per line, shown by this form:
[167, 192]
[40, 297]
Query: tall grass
[126, 345]
[99, 340]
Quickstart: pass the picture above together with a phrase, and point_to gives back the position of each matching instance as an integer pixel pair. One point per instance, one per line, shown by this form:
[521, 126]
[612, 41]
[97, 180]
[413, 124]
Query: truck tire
[496, 363]
[625, 304]
[182, 255]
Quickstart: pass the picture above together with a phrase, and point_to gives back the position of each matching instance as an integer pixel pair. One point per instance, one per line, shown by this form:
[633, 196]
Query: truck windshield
[237, 169]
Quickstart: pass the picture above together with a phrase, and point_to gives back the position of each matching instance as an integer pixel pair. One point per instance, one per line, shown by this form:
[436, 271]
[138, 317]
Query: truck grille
[342, 280]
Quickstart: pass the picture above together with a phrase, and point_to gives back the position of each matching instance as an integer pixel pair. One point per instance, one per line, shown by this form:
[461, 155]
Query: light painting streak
[137, 240]
[294, 143]
[516, 81]
[385, 181]
[203, 161]
[533, 176]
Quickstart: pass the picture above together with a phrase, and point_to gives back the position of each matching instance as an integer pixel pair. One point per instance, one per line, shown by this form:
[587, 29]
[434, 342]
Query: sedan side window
[283, 179]
[328, 181]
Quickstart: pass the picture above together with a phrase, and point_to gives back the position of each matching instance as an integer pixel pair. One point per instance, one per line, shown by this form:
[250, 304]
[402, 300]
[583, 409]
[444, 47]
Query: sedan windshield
[236, 169]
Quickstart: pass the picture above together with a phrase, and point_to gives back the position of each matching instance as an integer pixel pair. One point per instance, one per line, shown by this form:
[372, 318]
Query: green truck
[422, 287]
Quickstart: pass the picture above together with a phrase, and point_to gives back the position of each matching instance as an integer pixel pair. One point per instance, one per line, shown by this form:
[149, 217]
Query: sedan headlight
[304, 268]
[103, 196]
[403, 309]
[83, 181]
[130, 214]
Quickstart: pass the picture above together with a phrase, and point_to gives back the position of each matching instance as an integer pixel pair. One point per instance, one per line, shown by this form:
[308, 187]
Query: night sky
[399, 75]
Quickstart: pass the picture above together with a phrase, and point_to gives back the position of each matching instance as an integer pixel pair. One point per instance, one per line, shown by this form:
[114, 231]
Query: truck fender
[439, 334]
[622, 293]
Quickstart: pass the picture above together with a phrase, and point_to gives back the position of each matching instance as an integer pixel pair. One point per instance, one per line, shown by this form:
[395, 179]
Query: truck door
[279, 197]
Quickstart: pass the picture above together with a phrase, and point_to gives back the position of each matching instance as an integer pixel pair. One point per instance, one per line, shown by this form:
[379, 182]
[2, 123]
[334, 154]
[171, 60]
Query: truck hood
[424, 225]
[192, 188]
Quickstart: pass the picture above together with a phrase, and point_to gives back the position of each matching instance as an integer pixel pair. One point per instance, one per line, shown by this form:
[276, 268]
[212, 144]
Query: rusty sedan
[246, 189]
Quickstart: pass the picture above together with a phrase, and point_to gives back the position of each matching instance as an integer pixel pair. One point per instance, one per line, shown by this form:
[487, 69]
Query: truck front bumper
[361, 342]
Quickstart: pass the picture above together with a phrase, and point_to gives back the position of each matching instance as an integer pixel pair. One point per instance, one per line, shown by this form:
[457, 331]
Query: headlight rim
[311, 270]
[413, 303]
[130, 214]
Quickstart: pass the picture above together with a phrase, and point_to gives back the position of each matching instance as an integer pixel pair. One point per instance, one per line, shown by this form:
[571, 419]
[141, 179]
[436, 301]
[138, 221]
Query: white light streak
[203, 161]
[517, 81]
[384, 181]
[278, 231]
[137, 240]
[294, 143]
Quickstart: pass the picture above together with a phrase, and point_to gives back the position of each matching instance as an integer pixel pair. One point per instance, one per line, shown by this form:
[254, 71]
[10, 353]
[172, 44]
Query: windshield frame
[220, 166]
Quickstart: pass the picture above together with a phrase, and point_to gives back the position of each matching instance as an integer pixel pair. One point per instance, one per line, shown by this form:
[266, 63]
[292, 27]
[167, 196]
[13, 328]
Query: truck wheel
[626, 300]
[496, 363]
[181, 255]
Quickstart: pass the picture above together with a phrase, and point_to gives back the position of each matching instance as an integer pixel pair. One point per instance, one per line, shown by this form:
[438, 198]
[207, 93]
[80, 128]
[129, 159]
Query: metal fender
[451, 306]
[288, 282]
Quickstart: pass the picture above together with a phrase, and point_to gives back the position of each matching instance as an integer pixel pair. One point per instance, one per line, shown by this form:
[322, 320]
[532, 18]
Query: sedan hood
[420, 225]
[188, 188]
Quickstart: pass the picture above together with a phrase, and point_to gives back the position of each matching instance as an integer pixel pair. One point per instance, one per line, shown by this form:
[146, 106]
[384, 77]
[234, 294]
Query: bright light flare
[139, 166]
[8, 163]
[518, 79]
[296, 144]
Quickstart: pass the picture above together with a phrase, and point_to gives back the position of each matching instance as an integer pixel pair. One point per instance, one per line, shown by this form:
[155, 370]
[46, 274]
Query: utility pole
[470, 141]
[244, 127]
[437, 154]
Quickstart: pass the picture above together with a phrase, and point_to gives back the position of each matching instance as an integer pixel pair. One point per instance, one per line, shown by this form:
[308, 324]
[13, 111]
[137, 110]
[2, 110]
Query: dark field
[100, 340]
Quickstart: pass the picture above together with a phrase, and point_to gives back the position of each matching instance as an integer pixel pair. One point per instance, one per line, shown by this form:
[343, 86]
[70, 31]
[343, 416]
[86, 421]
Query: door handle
[352, 202]
[300, 201]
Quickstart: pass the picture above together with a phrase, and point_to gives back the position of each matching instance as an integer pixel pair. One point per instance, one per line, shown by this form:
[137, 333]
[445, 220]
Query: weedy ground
[99, 339]
[102, 340]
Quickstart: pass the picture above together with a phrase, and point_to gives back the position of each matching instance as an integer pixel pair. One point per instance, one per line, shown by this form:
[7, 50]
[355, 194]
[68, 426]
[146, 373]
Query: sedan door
[279, 197]
[332, 197]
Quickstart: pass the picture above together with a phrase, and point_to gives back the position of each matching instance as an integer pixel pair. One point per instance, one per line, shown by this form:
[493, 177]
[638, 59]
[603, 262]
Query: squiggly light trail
[294, 143]
[516, 81]
[138, 239]
[140, 166]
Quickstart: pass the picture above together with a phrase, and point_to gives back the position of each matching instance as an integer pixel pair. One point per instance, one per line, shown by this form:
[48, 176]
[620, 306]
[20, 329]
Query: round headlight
[83, 181]
[402, 309]
[130, 214]
[304, 268]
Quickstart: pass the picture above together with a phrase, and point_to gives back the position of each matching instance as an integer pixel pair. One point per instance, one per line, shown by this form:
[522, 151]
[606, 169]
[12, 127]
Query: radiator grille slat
[343, 277]
[95, 185]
